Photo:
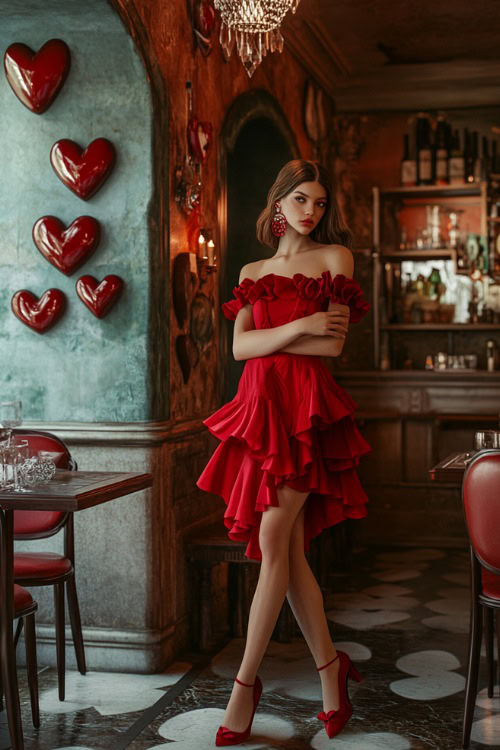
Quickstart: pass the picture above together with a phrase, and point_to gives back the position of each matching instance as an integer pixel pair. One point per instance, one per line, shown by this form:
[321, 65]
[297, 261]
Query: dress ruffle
[338, 288]
[314, 447]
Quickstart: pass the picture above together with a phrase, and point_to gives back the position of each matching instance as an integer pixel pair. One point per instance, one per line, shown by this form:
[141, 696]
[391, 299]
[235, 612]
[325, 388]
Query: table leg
[7, 653]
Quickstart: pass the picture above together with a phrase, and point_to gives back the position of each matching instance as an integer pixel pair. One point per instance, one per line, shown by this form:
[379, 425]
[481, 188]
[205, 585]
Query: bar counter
[413, 419]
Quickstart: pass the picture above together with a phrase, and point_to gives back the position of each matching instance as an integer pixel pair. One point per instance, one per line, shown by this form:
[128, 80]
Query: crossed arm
[249, 342]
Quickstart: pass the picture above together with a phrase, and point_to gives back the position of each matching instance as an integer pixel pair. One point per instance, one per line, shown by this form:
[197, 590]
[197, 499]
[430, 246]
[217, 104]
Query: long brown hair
[331, 228]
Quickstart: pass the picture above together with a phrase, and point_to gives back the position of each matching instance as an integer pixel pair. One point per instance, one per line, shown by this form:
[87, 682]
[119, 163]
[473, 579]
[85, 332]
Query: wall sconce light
[206, 251]
[202, 247]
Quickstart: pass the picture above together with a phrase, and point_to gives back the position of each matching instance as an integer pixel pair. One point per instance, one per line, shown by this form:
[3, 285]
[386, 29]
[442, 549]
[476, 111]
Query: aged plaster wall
[82, 369]
[215, 84]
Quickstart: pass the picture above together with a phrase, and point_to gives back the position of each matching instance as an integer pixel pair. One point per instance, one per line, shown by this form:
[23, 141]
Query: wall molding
[122, 433]
[107, 649]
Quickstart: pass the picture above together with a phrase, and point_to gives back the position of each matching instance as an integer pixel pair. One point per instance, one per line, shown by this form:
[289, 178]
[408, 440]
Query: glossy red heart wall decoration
[99, 298]
[83, 171]
[200, 137]
[36, 78]
[67, 249]
[39, 314]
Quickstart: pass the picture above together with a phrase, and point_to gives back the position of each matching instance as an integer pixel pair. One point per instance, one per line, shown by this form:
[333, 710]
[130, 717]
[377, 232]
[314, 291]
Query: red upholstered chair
[481, 499]
[49, 568]
[24, 609]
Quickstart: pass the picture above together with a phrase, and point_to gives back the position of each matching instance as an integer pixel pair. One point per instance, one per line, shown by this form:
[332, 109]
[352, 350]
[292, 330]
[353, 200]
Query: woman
[285, 466]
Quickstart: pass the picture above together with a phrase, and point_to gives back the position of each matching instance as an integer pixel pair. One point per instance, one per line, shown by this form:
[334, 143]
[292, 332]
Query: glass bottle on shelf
[456, 161]
[435, 281]
[476, 157]
[493, 161]
[408, 165]
[468, 157]
[424, 150]
[485, 159]
[441, 152]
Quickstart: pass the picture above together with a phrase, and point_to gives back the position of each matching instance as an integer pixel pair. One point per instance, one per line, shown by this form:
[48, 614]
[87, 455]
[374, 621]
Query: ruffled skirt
[289, 423]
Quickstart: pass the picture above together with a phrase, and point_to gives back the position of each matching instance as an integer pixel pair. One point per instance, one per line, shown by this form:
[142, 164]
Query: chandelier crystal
[254, 25]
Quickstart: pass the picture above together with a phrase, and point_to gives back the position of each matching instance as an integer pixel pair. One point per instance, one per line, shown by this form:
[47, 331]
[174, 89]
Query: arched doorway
[257, 142]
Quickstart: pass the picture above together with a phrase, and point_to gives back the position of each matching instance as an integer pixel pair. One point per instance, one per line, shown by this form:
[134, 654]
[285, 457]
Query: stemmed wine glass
[10, 416]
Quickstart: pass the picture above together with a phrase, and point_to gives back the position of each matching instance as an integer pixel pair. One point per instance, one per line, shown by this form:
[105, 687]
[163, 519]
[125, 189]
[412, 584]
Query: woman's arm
[338, 259]
[331, 326]
[322, 346]
[250, 342]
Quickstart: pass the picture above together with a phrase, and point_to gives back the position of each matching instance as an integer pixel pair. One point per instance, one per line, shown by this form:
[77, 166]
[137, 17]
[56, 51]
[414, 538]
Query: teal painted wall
[83, 369]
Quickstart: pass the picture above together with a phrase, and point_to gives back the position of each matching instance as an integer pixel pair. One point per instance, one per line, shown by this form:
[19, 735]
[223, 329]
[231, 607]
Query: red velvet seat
[22, 599]
[48, 568]
[481, 500]
[41, 565]
[491, 583]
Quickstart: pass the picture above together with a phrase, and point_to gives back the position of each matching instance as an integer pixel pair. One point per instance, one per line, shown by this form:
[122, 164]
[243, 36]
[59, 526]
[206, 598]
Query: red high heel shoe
[335, 720]
[227, 736]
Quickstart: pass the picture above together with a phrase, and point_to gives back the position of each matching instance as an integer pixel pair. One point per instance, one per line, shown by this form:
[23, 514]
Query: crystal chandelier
[255, 27]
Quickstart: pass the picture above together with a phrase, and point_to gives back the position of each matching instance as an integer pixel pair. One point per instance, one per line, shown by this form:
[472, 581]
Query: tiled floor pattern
[402, 615]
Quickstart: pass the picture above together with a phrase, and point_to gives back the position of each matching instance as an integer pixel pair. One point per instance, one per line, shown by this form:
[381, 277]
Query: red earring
[278, 225]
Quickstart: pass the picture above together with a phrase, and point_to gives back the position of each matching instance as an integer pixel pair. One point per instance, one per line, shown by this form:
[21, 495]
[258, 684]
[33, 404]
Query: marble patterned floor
[402, 615]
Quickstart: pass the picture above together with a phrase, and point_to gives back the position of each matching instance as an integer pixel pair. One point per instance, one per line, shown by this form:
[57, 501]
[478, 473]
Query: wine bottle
[456, 161]
[493, 163]
[424, 150]
[476, 157]
[408, 165]
[441, 152]
[485, 159]
[468, 157]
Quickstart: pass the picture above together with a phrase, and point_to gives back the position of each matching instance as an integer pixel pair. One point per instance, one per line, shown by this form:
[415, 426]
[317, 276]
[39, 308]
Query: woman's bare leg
[274, 541]
[306, 600]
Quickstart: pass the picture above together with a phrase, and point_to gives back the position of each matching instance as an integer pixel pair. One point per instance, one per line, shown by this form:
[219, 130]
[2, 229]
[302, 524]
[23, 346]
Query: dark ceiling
[382, 53]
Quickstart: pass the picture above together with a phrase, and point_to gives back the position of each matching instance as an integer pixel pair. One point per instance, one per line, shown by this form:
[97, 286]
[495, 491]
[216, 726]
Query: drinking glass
[486, 439]
[4, 462]
[10, 416]
[17, 453]
[47, 467]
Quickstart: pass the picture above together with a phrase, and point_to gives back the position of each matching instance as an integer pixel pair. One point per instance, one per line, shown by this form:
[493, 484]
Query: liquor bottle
[468, 157]
[493, 163]
[441, 152]
[476, 157]
[485, 159]
[490, 355]
[424, 150]
[408, 165]
[456, 161]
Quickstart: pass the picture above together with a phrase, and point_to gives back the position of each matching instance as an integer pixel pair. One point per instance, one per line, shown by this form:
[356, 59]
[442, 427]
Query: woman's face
[304, 206]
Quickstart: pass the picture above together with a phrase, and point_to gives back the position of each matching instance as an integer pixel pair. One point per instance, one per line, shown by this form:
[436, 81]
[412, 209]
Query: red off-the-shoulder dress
[289, 423]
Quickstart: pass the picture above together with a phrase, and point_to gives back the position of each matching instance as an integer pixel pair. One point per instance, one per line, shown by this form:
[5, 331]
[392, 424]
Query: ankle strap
[327, 665]
[243, 683]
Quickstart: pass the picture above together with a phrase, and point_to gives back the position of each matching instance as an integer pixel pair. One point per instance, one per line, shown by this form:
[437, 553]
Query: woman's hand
[332, 323]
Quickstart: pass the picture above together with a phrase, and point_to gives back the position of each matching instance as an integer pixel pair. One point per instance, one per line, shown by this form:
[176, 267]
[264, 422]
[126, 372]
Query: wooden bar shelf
[441, 327]
[419, 191]
[439, 253]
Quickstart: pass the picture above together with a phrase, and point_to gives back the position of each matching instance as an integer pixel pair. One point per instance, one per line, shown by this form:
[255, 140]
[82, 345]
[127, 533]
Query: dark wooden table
[68, 491]
[452, 468]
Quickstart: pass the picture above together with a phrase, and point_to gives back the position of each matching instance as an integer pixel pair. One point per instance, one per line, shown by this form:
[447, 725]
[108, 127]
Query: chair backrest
[37, 524]
[481, 499]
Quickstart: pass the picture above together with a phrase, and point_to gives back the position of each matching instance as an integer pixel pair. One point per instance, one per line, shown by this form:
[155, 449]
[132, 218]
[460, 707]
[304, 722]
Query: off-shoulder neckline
[291, 278]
